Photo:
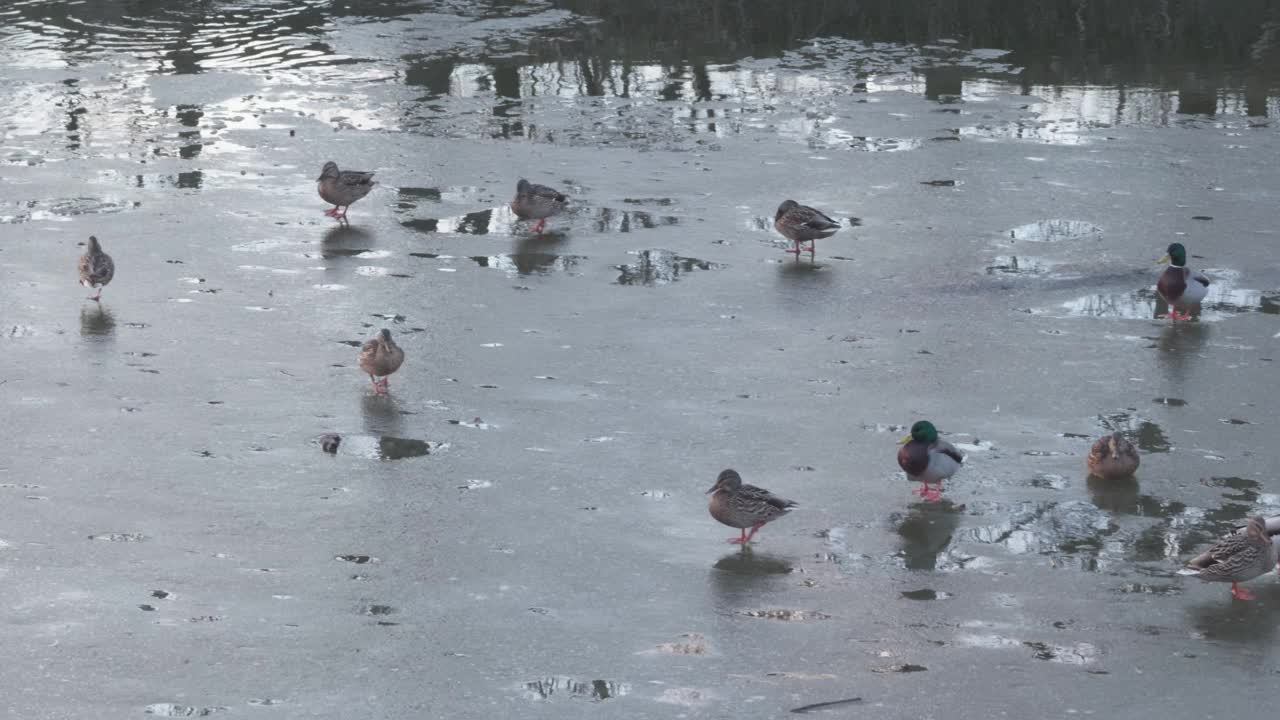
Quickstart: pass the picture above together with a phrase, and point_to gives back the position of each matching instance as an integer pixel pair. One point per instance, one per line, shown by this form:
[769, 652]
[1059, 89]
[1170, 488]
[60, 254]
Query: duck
[801, 223]
[743, 506]
[342, 188]
[927, 459]
[1181, 288]
[96, 268]
[1113, 457]
[1237, 558]
[1271, 524]
[380, 357]
[329, 442]
[537, 202]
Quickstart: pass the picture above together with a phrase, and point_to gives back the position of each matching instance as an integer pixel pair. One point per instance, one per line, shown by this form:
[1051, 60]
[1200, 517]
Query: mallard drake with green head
[926, 458]
[743, 506]
[1180, 287]
[380, 356]
[801, 223]
[342, 188]
[96, 268]
[1238, 558]
[537, 202]
[1113, 457]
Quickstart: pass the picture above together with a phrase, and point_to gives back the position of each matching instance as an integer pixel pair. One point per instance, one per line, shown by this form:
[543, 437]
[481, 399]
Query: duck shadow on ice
[926, 532]
[746, 572]
[97, 322]
[799, 283]
[533, 254]
[1245, 623]
[345, 241]
[747, 562]
[1179, 347]
[382, 413]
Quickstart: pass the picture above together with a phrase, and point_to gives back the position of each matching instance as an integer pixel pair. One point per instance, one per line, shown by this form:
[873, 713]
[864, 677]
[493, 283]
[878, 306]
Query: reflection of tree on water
[1058, 41]
[1101, 72]
[1096, 536]
[1148, 436]
[1225, 299]
[595, 689]
[1092, 537]
[659, 267]
[1116, 42]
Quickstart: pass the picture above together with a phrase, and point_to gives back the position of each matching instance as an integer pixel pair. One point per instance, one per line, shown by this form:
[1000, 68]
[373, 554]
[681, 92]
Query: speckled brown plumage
[537, 202]
[342, 188]
[801, 223]
[379, 357]
[1238, 557]
[1113, 457]
[744, 506]
[96, 268]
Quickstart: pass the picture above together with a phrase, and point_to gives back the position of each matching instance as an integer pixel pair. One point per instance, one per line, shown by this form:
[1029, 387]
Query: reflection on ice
[548, 688]
[659, 267]
[529, 263]
[1225, 299]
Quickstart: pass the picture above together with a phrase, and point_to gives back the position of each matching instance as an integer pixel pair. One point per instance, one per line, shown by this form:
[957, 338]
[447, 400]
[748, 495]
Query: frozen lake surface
[518, 529]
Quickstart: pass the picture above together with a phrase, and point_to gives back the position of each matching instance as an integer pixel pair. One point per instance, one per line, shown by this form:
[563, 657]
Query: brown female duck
[744, 506]
[1113, 457]
[537, 202]
[342, 188]
[1237, 558]
[96, 268]
[380, 356]
[801, 223]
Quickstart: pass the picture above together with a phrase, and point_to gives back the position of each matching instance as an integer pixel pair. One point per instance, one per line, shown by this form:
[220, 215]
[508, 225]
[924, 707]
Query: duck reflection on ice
[381, 414]
[1179, 346]
[748, 562]
[745, 573]
[927, 531]
[1244, 623]
[344, 241]
[97, 322]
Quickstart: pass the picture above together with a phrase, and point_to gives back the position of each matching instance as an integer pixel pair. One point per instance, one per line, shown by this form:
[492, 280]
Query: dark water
[518, 528]
[486, 69]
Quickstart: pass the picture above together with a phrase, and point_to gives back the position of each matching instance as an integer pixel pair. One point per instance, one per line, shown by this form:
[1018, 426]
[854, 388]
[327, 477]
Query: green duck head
[1176, 255]
[923, 431]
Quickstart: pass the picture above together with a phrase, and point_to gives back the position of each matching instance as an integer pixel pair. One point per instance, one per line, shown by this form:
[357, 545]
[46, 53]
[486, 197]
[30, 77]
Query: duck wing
[369, 355]
[761, 503]
[96, 268]
[85, 267]
[393, 358]
[809, 218]
[1233, 556]
[548, 193]
[949, 450]
[1200, 278]
[354, 178]
[104, 268]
